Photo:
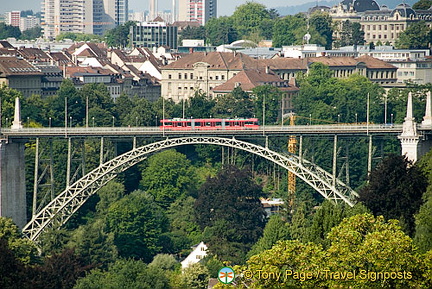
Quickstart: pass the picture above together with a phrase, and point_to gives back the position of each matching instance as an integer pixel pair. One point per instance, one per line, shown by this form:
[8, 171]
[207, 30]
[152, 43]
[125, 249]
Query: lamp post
[49, 122]
[391, 118]
[28, 122]
[338, 118]
[113, 118]
[70, 121]
[310, 119]
[263, 108]
[136, 121]
[87, 111]
[385, 109]
[356, 118]
[93, 121]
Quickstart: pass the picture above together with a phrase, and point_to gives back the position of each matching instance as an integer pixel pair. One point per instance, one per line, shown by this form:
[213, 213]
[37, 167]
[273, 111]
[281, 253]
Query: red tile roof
[216, 60]
[10, 66]
[251, 78]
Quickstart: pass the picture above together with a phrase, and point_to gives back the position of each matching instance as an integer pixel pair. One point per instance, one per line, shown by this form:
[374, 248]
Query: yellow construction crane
[292, 148]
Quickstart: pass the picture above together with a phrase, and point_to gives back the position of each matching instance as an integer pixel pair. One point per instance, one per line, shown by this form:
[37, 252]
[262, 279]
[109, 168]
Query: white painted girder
[59, 210]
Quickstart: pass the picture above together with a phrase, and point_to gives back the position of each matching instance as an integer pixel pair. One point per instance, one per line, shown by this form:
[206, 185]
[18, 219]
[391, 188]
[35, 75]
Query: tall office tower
[197, 10]
[82, 16]
[174, 12]
[152, 10]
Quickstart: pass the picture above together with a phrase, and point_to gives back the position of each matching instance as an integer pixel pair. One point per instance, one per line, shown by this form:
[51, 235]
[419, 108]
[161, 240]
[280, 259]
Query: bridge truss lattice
[60, 209]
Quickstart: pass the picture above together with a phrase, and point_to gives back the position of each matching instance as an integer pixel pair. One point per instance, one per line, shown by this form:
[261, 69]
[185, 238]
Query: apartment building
[197, 10]
[154, 34]
[82, 16]
[201, 71]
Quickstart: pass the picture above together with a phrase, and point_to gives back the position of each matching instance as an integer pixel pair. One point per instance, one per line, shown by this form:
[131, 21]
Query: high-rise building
[13, 18]
[82, 16]
[29, 22]
[197, 10]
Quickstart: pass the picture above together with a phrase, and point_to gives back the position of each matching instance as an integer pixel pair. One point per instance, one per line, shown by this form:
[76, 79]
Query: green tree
[327, 216]
[361, 243]
[422, 5]
[131, 274]
[418, 35]
[268, 99]
[32, 33]
[328, 98]
[119, 36]
[60, 270]
[7, 31]
[289, 30]
[230, 228]
[323, 25]
[24, 250]
[190, 32]
[423, 230]
[7, 98]
[220, 31]
[200, 105]
[395, 190]
[275, 230]
[79, 37]
[168, 176]
[195, 276]
[351, 34]
[184, 228]
[238, 103]
[12, 271]
[247, 17]
[372, 244]
[137, 223]
[93, 243]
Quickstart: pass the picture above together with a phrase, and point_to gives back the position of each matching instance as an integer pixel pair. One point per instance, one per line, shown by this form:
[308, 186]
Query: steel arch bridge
[60, 209]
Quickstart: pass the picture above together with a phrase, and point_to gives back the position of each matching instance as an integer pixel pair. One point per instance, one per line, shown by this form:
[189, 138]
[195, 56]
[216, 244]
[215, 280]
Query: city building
[201, 71]
[379, 23]
[29, 22]
[19, 74]
[13, 18]
[197, 10]
[153, 34]
[199, 251]
[82, 16]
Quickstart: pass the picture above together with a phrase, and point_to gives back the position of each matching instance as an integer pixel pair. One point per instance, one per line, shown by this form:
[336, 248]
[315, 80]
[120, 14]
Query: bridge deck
[355, 129]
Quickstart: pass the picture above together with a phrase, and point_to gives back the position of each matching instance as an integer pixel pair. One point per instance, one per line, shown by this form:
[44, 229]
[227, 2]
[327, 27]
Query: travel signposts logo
[226, 275]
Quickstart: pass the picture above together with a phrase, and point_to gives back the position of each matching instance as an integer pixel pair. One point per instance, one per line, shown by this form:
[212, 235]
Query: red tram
[209, 124]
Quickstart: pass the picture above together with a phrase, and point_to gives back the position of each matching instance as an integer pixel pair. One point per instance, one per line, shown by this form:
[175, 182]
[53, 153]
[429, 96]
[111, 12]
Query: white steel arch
[60, 209]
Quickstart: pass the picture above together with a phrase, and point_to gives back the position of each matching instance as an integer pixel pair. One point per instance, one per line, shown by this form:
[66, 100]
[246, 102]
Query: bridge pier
[12, 182]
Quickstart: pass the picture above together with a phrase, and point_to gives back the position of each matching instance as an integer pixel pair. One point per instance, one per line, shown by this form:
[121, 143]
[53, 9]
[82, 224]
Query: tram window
[197, 123]
[189, 124]
[208, 123]
[168, 124]
[218, 123]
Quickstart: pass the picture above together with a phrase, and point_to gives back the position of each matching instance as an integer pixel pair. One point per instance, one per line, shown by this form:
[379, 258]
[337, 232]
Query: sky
[225, 7]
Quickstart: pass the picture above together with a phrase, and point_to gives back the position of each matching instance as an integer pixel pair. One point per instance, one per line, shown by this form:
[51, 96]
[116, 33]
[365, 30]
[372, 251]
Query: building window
[217, 77]
[185, 76]
[169, 76]
[223, 77]
[191, 76]
[179, 76]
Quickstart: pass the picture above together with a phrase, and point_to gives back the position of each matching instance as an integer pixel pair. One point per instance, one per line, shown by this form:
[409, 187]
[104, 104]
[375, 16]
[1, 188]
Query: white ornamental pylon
[427, 119]
[16, 124]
